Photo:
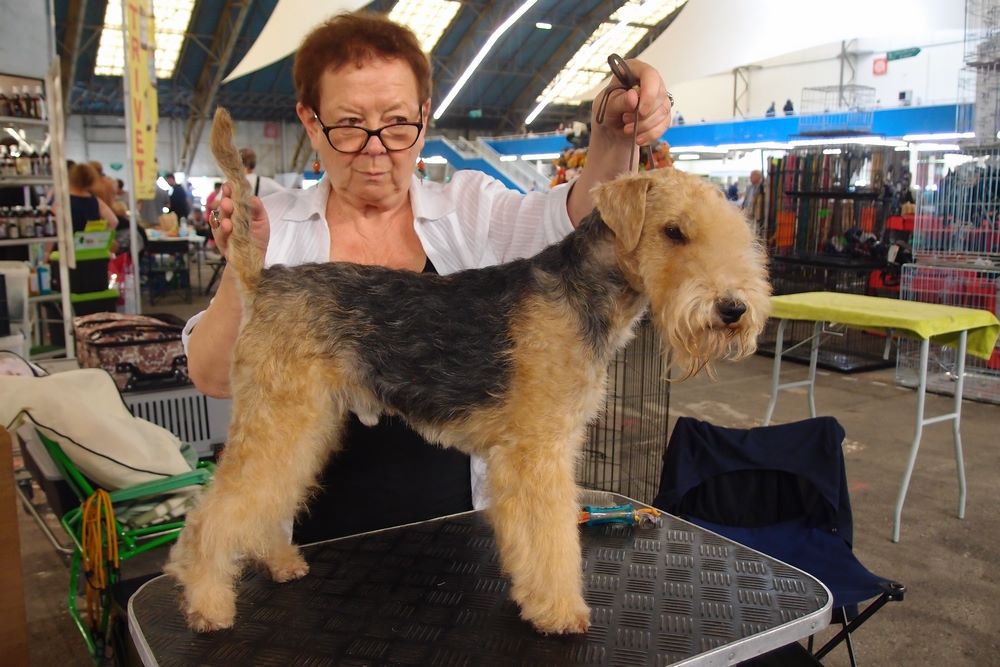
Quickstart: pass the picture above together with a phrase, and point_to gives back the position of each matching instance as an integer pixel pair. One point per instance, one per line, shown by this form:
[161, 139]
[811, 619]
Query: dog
[508, 363]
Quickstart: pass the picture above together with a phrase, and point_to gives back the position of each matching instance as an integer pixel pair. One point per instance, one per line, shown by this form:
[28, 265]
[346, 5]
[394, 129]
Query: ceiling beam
[582, 30]
[231, 20]
[71, 48]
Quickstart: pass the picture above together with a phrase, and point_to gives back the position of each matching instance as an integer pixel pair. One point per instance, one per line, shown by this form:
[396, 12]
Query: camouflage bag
[138, 351]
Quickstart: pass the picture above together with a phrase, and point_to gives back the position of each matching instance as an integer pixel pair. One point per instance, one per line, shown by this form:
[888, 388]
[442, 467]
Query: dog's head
[695, 257]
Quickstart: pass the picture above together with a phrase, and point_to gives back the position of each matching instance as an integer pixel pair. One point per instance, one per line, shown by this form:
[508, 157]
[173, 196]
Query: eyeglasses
[354, 138]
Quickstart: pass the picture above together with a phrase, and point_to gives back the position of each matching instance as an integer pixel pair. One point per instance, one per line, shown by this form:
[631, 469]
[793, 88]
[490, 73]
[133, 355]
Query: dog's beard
[694, 337]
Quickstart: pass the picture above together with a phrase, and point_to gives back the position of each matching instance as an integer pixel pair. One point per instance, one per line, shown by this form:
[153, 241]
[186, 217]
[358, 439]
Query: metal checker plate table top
[432, 593]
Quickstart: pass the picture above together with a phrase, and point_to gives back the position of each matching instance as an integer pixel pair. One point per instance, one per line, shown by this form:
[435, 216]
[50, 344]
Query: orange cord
[100, 550]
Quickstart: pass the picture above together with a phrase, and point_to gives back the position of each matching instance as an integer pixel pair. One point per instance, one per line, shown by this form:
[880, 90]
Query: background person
[754, 200]
[363, 88]
[179, 202]
[261, 186]
[84, 205]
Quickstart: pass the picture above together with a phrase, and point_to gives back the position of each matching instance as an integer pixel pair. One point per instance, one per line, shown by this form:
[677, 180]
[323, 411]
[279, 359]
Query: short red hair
[356, 37]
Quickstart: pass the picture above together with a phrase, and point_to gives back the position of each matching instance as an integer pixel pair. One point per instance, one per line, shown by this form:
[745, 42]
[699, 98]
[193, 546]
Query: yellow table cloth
[942, 324]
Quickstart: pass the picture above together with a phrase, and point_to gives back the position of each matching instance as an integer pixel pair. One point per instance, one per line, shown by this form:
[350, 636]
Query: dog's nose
[730, 311]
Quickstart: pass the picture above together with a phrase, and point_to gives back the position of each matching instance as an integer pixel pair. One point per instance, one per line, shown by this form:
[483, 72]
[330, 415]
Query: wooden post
[13, 621]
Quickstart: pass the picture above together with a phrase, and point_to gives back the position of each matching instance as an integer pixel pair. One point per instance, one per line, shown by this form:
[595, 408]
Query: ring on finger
[216, 219]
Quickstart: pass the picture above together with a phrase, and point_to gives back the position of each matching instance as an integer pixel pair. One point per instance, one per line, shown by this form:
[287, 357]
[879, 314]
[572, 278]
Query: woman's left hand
[654, 108]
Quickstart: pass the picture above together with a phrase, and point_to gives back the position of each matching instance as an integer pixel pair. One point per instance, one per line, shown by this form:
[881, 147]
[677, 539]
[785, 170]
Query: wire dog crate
[982, 32]
[958, 220]
[953, 286]
[624, 450]
[843, 109]
[198, 420]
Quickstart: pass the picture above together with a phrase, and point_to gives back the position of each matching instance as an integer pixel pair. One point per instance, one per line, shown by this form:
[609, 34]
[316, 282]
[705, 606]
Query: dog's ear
[622, 205]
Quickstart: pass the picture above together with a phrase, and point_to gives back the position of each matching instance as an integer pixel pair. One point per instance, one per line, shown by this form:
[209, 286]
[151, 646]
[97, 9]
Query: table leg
[925, 345]
[956, 427]
[813, 359]
[779, 343]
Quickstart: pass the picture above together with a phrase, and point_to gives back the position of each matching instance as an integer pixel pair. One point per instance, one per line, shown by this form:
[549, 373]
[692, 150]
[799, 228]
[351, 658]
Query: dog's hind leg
[534, 515]
[284, 419]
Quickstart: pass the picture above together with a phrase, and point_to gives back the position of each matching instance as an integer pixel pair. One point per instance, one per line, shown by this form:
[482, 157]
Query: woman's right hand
[259, 226]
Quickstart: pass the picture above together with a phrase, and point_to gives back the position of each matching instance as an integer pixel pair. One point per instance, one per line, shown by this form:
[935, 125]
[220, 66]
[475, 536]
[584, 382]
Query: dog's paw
[288, 567]
[559, 618]
[201, 623]
[210, 614]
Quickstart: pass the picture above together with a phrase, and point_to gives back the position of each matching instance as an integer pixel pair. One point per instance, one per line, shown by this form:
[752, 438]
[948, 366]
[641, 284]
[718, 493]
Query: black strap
[256, 188]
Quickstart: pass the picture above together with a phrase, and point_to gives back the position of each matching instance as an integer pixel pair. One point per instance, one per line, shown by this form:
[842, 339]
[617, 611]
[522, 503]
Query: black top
[179, 203]
[83, 210]
[383, 476]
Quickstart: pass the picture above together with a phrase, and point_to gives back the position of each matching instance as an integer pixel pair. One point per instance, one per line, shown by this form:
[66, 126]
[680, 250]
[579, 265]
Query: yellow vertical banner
[141, 101]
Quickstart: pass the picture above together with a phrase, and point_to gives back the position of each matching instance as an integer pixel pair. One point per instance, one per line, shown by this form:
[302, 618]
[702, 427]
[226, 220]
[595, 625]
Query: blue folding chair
[781, 490]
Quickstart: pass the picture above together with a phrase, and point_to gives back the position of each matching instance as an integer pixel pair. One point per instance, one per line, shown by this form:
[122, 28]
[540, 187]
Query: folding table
[972, 331]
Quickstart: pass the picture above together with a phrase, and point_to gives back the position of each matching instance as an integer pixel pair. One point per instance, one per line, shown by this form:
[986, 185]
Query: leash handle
[628, 80]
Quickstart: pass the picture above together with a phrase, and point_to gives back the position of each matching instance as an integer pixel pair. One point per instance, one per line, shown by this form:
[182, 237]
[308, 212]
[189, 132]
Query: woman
[84, 205]
[363, 86]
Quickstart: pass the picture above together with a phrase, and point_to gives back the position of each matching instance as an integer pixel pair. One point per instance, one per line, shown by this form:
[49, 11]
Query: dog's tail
[243, 255]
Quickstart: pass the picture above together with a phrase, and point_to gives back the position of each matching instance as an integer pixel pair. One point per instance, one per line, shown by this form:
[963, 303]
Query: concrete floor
[951, 567]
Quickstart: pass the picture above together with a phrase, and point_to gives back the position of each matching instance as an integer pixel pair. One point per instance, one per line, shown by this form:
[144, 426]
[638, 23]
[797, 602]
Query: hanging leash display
[628, 80]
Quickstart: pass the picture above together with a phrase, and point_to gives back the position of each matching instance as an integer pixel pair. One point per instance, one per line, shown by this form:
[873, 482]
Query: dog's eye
[674, 234]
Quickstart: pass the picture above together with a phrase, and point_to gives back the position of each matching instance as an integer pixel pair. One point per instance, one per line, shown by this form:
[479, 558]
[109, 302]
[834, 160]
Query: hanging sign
[880, 66]
[902, 53]
[141, 101]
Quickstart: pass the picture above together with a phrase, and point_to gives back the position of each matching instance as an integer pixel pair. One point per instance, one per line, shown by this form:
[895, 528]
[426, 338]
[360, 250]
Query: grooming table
[970, 330]
[432, 593]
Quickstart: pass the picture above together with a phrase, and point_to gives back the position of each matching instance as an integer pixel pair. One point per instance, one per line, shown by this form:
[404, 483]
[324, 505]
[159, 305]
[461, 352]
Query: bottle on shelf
[16, 104]
[3, 222]
[50, 222]
[4, 104]
[22, 165]
[13, 230]
[44, 272]
[41, 110]
[27, 223]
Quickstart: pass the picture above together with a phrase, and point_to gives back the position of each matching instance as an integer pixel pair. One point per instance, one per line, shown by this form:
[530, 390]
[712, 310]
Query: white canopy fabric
[709, 37]
[289, 23]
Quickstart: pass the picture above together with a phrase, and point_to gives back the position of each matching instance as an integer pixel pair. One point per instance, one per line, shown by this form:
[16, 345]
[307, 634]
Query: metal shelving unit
[55, 126]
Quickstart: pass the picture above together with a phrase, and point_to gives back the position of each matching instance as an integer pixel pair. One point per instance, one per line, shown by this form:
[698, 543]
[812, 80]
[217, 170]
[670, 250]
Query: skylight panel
[428, 19]
[171, 19]
[589, 66]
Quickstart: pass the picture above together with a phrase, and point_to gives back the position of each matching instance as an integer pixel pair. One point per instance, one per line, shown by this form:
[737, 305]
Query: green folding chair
[135, 531]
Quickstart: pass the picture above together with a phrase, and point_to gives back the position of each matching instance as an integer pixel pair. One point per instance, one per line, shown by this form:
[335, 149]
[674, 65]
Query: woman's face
[380, 92]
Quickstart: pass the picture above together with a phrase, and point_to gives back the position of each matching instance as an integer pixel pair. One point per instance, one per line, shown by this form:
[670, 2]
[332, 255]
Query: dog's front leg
[534, 514]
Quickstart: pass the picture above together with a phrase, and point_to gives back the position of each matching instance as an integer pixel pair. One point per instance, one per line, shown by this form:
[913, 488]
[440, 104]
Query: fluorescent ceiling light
[697, 149]
[542, 25]
[483, 52]
[435, 159]
[531, 157]
[831, 151]
[589, 66]
[845, 141]
[688, 156]
[753, 145]
[508, 158]
[936, 147]
[939, 136]
[171, 19]
[427, 19]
